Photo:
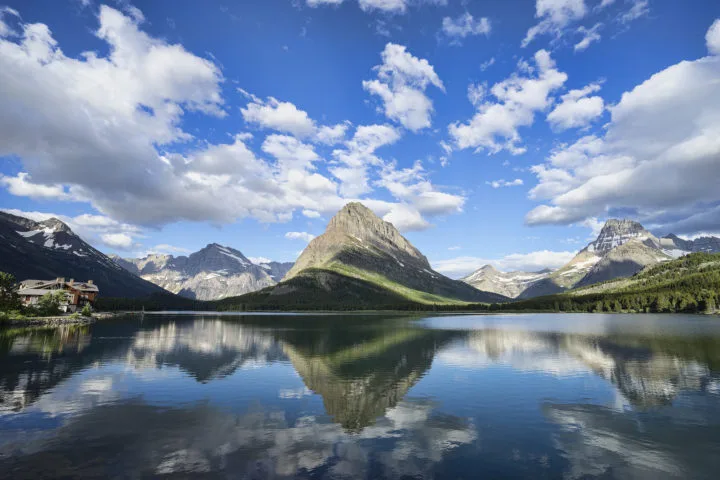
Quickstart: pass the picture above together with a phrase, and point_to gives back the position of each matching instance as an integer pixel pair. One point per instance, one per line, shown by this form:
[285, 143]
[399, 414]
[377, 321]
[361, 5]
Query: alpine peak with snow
[622, 248]
[211, 273]
[484, 133]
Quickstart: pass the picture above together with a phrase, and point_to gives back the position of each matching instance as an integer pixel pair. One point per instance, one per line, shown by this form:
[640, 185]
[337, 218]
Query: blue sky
[502, 131]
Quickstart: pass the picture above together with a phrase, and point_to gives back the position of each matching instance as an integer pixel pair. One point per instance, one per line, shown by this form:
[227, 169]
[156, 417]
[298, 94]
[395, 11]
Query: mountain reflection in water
[362, 397]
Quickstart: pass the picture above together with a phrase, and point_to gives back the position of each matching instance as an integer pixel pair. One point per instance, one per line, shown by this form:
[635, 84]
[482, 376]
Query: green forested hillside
[688, 284]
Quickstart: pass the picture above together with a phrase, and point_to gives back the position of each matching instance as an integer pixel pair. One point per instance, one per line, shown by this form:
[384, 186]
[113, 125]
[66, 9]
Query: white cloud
[122, 112]
[120, 241]
[660, 157]
[304, 236]
[476, 93]
[291, 154]
[359, 154]
[577, 109]
[589, 35]
[169, 249]
[487, 64]
[411, 186]
[259, 260]
[23, 187]
[286, 117]
[465, 25]
[392, 6]
[5, 29]
[639, 9]
[401, 83]
[455, 247]
[282, 116]
[712, 38]
[406, 218]
[554, 16]
[382, 6]
[504, 183]
[495, 125]
[526, 262]
[311, 213]
[316, 3]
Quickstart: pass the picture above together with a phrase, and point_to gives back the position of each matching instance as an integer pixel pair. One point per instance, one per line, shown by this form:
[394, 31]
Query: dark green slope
[688, 284]
[68, 256]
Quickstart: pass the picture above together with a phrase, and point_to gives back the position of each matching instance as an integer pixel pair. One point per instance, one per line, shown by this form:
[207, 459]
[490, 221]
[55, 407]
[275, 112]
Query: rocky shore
[63, 320]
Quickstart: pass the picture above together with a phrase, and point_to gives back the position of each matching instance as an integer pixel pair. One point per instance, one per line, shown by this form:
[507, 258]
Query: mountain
[50, 249]
[705, 244]
[363, 261]
[510, 284]
[209, 274]
[623, 248]
[689, 284]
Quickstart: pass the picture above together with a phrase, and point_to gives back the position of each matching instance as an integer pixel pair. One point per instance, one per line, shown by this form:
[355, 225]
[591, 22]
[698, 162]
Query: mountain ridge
[622, 248]
[211, 273]
[50, 249]
[363, 258]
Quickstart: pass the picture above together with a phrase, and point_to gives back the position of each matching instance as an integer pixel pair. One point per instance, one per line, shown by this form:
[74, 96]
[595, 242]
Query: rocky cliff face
[705, 244]
[510, 284]
[209, 274]
[357, 228]
[360, 246]
[50, 249]
[622, 249]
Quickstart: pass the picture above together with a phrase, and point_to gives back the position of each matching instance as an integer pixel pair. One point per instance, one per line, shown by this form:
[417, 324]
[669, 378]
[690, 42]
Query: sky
[496, 131]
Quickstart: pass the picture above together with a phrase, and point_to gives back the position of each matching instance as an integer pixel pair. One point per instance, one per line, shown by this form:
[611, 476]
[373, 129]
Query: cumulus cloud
[465, 25]
[120, 241]
[286, 117]
[21, 185]
[311, 213]
[712, 38]
[504, 183]
[121, 111]
[401, 84]
[412, 186]
[304, 236]
[659, 159]
[555, 16]
[358, 155]
[577, 109]
[527, 262]
[495, 125]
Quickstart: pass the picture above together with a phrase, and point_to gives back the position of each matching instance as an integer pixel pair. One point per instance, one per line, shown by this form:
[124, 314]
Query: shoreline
[63, 320]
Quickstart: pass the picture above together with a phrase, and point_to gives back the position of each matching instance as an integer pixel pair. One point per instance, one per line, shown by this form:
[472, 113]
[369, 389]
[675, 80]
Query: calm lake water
[349, 396]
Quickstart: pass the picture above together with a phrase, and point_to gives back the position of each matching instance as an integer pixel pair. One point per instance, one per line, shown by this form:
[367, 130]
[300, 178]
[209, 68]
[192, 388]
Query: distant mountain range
[362, 260]
[359, 261]
[50, 249]
[622, 249]
[211, 273]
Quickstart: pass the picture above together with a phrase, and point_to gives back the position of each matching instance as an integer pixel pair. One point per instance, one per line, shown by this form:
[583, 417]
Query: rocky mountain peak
[358, 222]
[355, 228]
[56, 225]
[616, 232]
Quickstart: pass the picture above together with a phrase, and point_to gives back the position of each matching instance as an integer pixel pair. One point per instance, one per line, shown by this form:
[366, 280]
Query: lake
[363, 396]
